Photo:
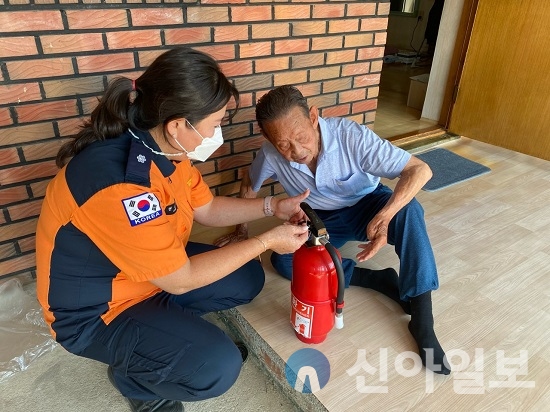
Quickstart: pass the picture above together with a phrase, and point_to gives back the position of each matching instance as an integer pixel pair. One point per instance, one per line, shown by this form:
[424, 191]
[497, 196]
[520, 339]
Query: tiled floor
[491, 240]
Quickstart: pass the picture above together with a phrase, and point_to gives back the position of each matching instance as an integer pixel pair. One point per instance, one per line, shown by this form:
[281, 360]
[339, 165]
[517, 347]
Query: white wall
[446, 38]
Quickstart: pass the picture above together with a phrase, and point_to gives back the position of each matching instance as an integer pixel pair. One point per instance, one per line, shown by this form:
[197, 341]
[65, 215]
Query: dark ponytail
[108, 120]
[181, 82]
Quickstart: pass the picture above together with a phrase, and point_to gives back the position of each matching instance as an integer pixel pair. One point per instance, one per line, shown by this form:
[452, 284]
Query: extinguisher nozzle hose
[341, 281]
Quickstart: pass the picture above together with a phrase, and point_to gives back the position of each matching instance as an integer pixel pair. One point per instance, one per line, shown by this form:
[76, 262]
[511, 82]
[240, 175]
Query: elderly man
[341, 162]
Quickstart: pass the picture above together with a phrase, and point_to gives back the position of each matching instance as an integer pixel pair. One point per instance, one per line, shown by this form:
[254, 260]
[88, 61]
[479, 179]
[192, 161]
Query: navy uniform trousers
[161, 348]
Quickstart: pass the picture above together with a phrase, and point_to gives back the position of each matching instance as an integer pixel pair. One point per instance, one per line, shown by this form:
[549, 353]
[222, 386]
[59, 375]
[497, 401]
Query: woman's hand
[285, 238]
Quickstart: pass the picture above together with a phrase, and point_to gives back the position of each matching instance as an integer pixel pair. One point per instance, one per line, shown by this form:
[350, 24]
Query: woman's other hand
[285, 238]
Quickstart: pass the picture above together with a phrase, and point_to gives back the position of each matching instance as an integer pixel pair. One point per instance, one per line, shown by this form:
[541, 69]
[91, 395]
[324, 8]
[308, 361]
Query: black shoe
[243, 349]
[159, 405]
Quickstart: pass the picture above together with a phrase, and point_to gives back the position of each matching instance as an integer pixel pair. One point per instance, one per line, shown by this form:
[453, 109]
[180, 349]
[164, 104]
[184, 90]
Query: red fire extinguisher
[317, 285]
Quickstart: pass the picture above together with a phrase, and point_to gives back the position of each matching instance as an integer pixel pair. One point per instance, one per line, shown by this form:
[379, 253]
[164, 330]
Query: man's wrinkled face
[295, 135]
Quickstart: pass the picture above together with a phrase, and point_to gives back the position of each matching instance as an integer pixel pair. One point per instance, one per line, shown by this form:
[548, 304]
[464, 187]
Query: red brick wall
[56, 57]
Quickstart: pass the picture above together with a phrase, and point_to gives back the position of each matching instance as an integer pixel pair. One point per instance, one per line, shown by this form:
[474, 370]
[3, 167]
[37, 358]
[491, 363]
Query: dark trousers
[406, 232]
[161, 348]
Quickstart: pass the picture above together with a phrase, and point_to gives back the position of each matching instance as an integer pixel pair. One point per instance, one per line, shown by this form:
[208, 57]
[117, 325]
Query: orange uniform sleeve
[134, 227]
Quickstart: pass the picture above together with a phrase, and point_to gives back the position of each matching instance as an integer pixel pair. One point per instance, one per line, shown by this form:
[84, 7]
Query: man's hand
[289, 208]
[414, 176]
[377, 233]
[240, 234]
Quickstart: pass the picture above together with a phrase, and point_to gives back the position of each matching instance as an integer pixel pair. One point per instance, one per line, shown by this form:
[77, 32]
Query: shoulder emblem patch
[143, 208]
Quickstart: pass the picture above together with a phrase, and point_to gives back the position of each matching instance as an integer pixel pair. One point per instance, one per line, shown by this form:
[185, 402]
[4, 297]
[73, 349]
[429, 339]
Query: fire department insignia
[143, 208]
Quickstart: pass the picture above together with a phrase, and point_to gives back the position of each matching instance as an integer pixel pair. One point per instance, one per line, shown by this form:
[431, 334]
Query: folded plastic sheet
[24, 336]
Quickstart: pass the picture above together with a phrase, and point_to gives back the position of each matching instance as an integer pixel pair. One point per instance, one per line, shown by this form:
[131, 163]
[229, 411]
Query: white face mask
[208, 145]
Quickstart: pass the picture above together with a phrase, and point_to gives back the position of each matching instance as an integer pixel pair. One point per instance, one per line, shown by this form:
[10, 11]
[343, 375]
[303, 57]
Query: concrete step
[270, 362]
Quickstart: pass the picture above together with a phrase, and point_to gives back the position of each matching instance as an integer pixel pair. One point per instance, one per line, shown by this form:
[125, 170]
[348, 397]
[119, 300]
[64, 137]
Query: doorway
[502, 98]
[408, 59]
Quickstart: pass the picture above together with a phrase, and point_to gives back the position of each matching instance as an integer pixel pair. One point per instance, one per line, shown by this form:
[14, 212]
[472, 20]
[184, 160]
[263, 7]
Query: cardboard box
[417, 91]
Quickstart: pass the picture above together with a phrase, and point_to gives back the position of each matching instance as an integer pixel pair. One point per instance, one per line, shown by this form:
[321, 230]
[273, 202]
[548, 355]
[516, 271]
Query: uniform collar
[144, 139]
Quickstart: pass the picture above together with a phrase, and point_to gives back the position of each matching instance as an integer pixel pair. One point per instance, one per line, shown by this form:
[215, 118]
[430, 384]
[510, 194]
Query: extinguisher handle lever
[316, 226]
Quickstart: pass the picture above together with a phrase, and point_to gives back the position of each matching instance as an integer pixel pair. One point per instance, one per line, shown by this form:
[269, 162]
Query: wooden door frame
[457, 60]
[458, 57]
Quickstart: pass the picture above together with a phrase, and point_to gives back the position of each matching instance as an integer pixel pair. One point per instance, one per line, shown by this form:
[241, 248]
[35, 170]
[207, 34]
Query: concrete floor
[37, 374]
[61, 382]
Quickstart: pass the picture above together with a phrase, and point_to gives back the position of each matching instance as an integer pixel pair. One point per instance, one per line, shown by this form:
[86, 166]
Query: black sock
[383, 281]
[421, 327]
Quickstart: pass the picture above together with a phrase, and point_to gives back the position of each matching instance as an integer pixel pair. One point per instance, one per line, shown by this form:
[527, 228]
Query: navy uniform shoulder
[106, 163]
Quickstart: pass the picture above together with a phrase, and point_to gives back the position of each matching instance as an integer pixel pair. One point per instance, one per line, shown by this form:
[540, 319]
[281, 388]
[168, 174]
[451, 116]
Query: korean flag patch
[143, 208]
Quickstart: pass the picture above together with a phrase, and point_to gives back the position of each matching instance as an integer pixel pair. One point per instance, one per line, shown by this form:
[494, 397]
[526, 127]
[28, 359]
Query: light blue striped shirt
[351, 162]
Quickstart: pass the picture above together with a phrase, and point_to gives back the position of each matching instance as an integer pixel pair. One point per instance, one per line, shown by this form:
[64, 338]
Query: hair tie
[133, 85]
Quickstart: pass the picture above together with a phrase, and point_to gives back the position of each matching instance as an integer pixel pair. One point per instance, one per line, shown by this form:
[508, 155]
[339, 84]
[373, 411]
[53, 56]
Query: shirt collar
[328, 142]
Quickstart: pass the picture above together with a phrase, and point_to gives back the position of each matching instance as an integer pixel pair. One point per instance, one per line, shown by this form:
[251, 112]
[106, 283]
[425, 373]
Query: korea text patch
[143, 208]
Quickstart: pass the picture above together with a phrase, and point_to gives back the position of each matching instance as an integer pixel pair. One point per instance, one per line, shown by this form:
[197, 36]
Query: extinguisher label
[301, 317]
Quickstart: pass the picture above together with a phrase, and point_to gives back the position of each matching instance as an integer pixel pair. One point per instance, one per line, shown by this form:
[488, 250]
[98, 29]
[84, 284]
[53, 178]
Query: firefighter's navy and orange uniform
[114, 218]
